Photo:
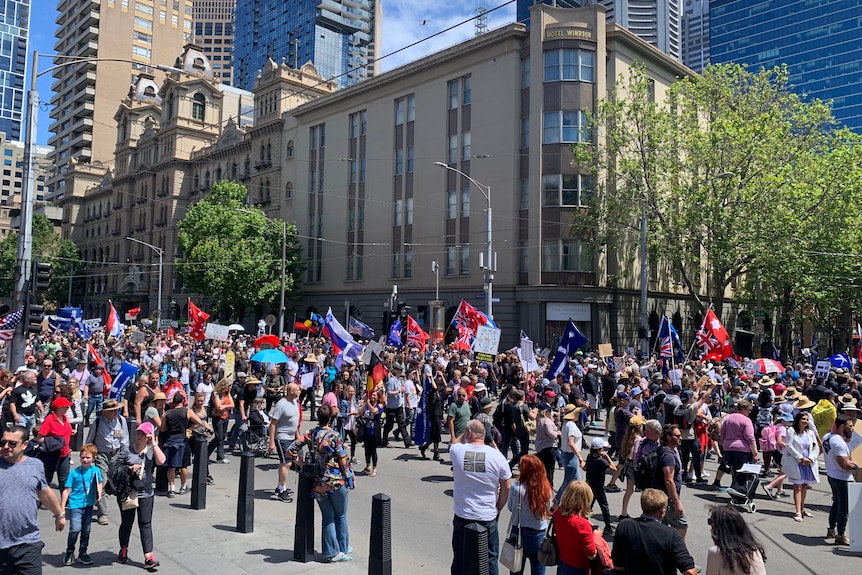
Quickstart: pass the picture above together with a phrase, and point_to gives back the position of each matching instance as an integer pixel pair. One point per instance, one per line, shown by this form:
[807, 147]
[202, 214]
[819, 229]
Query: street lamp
[283, 265]
[161, 253]
[489, 265]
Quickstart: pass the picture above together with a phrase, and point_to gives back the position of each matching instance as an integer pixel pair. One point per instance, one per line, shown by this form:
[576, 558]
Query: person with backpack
[669, 480]
[685, 416]
[110, 434]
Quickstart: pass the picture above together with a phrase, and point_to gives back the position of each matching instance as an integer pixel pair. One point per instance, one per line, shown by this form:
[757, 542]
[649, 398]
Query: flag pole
[694, 343]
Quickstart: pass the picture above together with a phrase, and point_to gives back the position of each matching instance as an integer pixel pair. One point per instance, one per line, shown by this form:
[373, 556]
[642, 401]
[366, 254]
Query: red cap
[61, 402]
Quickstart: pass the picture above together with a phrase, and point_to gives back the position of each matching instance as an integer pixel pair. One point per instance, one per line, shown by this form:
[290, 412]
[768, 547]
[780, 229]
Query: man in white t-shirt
[283, 427]
[571, 440]
[481, 490]
[839, 470]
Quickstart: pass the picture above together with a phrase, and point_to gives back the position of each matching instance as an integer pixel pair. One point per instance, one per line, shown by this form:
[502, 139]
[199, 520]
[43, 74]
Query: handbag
[512, 553]
[131, 502]
[548, 551]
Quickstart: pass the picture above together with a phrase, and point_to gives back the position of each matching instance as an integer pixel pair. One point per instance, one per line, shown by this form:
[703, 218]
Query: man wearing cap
[94, 392]
[110, 434]
[237, 390]
[395, 406]
[591, 388]
[46, 381]
[246, 400]
[849, 408]
[480, 391]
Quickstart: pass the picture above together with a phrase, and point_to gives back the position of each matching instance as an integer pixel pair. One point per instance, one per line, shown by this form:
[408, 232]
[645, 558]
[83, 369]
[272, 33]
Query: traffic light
[41, 276]
[35, 315]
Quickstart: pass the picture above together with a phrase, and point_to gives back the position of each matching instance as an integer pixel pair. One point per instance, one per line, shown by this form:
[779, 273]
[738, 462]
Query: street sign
[482, 296]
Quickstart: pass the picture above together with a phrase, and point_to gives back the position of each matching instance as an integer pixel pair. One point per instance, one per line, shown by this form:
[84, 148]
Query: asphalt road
[188, 541]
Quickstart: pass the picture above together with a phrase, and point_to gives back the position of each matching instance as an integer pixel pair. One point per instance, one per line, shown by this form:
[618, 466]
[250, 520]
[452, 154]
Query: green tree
[48, 247]
[721, 167]
[232, 254]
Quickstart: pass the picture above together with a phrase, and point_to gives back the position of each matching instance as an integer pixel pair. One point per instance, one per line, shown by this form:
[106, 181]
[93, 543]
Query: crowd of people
[598, 421]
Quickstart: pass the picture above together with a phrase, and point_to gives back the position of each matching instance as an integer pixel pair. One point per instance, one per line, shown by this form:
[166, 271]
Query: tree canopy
[232, 252]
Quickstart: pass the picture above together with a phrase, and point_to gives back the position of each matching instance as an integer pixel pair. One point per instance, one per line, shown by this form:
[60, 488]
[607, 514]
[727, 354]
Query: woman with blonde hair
[631, 442]
[574, 532]
[222, 405]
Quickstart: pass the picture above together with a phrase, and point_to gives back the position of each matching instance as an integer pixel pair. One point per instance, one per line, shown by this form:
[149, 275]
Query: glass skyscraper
[334, 35]
[821, 43]
[523, 7]
[14, 27]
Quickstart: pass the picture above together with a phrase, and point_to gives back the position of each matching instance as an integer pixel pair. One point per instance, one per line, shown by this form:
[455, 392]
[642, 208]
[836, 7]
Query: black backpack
[679, 417]
[647, 471]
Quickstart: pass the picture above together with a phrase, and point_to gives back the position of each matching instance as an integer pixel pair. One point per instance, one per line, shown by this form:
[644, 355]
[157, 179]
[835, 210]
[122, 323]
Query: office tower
[654, 21]
[695, 34]
[139, 32]
[819, 42]
[213, 22]
[15, 20]
[334, 35]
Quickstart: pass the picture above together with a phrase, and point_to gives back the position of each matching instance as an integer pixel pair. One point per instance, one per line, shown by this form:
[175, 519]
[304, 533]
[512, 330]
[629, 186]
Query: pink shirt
[330, 400]
[737, 433]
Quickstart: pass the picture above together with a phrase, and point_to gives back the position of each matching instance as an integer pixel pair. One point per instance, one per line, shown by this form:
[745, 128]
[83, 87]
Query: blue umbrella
[840, 360]
[270, 356]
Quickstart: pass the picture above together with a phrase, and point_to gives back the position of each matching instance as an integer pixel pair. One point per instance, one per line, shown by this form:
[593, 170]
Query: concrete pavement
[188, 541]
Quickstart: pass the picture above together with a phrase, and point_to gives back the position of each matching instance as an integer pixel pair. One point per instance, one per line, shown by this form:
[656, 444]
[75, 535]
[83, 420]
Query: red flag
[465, 339]
[470, 317]
[416, 336]
[197, 321]
[97, 359]
[713, 337]
[171, 332]
[133, 313]
[307, 325]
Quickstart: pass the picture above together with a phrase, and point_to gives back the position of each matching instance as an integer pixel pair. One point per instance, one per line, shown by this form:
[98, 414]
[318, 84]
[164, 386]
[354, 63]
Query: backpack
[679, 417]
[236, 391]
[768, 438]
[763, 419]
[316, 458]
[498, 415]
[647, 471]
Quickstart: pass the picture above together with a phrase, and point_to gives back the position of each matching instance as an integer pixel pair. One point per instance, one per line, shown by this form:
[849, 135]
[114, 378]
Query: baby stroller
[744, 486]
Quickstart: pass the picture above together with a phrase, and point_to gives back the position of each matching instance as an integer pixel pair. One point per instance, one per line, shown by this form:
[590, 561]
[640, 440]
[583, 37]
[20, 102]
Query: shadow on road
[806, 540]
[273, 555]
[437, 478]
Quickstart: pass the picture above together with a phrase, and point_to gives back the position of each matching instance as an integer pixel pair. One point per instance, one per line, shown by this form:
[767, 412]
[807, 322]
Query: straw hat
[804, 403]
[571, 412]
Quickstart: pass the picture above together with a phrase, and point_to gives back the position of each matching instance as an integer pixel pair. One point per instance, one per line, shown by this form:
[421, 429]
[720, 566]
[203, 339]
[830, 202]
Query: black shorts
[24, 559]
[281, 448]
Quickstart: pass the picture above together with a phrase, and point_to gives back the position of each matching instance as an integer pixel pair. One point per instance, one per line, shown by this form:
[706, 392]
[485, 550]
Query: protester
[110, 435]
[839, 472]
[372, 413]
[800, 461]
[222, 407]
[574, 531]
[775, 488]
[571, 440]
[82, 489]
[177, 421]
[597, 466]
[736, 551]
[283, 429]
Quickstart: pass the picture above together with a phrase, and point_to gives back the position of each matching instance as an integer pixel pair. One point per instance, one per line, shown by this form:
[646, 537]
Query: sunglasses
[10, 443]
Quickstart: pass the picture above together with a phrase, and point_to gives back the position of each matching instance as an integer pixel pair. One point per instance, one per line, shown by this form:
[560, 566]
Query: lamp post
[283, 266]
[161, 254]
[489, 266]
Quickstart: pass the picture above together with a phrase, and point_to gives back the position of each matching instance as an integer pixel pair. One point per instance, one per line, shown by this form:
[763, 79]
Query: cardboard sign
[93, 324]
[372, 348]
[306, 380]
[217, 332]
[606, 350]
[139, 337]
[822, 369]
[527, 351]
[487, 343]
[527, 367]
[619, 363]
[675, 376]
[229, 359]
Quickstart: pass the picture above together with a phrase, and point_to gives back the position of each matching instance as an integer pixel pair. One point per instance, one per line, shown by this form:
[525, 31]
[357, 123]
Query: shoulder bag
[548, 551]
[512, 553]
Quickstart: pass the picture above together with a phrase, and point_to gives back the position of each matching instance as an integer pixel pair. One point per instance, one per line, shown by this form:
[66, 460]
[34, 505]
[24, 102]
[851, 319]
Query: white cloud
[407, 21]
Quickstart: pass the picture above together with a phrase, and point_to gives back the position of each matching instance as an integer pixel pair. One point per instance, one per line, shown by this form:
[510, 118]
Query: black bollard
[161, 479]
[303, 535]
[245, 499]
[476, 549]
[77, 440]
[380, 549]
[200, 472]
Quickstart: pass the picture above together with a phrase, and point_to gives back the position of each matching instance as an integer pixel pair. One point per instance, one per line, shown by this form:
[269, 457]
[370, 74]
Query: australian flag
[394, 337]
[356, 327]
[571, 342]
[668, 338]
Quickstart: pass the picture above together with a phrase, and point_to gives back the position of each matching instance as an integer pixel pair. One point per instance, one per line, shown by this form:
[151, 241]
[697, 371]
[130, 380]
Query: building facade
[86, 95]
[695, 34]
[819, 42]
[12, 179]
[334, 35]
[15, 20]
[213, 31]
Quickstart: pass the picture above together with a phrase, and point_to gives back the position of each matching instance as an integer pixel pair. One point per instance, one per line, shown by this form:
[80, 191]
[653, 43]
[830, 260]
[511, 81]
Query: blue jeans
[571, 470]
[27, 421]
[333, 506]
[563, 569]
[458, 545]
[531, 540]
[94, 403]
[237, 431]
[79, 522]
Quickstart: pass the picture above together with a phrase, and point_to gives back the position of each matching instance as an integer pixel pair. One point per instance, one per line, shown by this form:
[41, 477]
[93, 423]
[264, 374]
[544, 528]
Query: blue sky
[404, 22]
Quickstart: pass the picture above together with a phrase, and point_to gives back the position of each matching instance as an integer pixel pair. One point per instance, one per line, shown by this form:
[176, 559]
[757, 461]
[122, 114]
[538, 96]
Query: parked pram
[744, 486]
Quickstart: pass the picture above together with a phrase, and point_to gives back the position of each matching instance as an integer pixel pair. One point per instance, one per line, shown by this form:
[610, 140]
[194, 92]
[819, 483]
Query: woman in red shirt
[574, 532]
[54, 435]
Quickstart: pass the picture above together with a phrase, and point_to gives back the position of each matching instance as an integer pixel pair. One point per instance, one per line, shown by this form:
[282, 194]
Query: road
[188, 541]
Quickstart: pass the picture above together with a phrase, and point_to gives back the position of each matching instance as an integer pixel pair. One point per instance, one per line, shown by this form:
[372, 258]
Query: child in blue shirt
[83, 489]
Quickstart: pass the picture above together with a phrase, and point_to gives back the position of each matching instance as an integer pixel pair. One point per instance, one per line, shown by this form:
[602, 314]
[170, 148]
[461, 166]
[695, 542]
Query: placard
[675, 376]
[822, 369]
[606, 350]
[218, 332]
[527, 367]
[487, 343]
[306, 380]
[138, 336]
[371, 348]
[93, 324]
[619, 363]
[527, 351]
[229, 362]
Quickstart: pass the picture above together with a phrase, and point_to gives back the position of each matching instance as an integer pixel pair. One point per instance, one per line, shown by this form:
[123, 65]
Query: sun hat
[636, 390]
[485, 401]
[636, 421]
[159, 395]
[786, 416]
[571, 412]
[803, 403]
[480, 387]
[110, 405]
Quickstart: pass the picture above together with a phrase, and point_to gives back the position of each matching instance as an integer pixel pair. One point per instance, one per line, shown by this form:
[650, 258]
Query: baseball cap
[146, 427]
[545, 406]
[687, 394]
[636, 390]
[598, 443]
[623, 395]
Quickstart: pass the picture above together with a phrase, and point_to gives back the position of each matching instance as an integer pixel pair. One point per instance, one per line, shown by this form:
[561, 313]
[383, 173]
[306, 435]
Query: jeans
[690, 449]
[217, 442]
[523, 447]
[144, 512]
[409, 419]
[838, 511]
[531, 541]
[236, 429]
[27, 421]
[571, 472]
[509, 439]
[79, 522]
[333, 507]
[94, 403]
[458, 545]
[563, 569]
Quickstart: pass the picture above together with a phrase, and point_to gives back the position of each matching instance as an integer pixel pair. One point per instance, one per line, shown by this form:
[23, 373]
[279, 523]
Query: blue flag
[840, 360]
[356, 327]
[316, 318]
[570, 342]
[127, 374]
[394, 338]
[423, 418]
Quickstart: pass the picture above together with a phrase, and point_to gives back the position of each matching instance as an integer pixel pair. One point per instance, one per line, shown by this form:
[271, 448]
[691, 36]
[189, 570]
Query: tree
[48, 247]
[722, 168]
[232, 253]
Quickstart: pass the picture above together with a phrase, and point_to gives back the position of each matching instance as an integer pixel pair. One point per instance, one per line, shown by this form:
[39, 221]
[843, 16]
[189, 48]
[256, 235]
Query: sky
[405, 22]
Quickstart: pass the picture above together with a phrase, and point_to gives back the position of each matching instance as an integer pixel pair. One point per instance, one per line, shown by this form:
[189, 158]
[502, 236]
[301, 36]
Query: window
[524, 195]
[453, 149]
[143, 8]
[523, 261]
[525, 72]
[142, 52]
[568, 190]
[288, 191]
[397, 212]
[525, 132]
[354, 125]
[362, 170]
[567, 256]
[399, 162]
[363, 123]
[198, 107]
[143, 23]
[467, 89]
[290, 148]
[408, 263]
[409, 159]
[408, 216]
[466, 150]
[453, 94]
[569, 64]
[352, 171]
[465, 260]
[565, 126]
[313, 138]
[399, 111]
[411, 108]
[451, 204]
[450, 260]
[396, 265]
[465, 203]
